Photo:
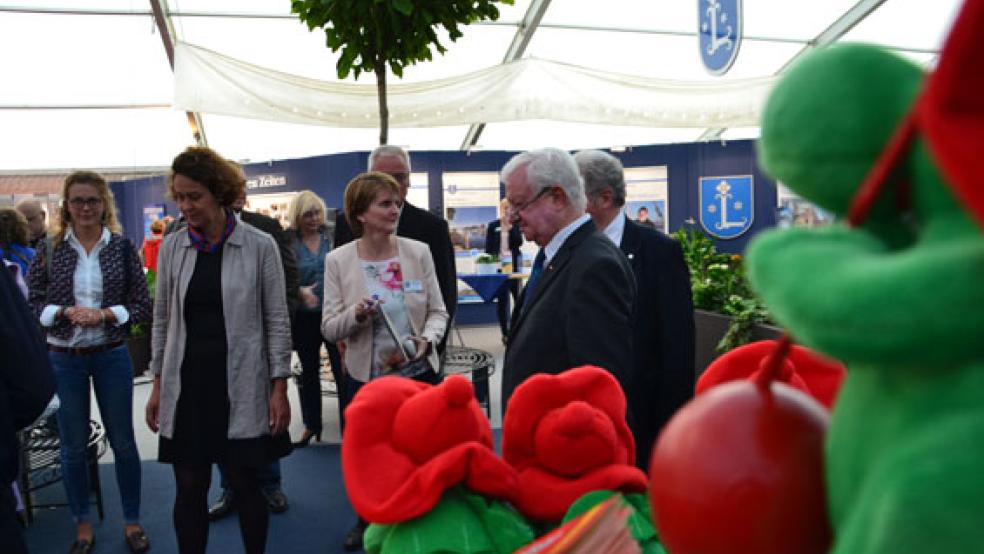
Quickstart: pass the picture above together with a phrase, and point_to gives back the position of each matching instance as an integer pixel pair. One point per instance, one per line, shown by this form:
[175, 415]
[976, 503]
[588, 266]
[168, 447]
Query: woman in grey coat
[221, 351]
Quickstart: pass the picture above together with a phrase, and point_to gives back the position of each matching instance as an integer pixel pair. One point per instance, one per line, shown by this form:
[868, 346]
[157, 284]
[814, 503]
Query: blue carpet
[317, 521]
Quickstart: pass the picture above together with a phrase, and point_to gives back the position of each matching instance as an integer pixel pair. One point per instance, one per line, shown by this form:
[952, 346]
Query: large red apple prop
[740, 469]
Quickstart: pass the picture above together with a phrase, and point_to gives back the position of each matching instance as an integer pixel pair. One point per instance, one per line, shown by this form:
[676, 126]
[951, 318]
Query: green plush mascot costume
[898, 298]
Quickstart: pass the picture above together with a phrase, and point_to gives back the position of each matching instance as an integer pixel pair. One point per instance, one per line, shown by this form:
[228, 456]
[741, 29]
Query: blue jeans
[269, 478]
[112, 378]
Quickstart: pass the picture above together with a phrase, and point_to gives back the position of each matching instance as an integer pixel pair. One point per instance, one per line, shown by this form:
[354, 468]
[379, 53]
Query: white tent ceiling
[87, 83]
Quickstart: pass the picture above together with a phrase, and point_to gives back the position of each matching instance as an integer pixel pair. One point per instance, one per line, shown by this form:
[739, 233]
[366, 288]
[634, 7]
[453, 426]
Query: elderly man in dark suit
[662, 377]
[415, 223]
[576, 308]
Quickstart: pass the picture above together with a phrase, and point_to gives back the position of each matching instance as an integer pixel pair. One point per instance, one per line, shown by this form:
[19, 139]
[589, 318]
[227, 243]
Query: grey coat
[257, 328]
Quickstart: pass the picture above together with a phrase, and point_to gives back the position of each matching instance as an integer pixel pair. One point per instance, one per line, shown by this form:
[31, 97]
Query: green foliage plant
[374, 34]
[140, 329]
[719, 285]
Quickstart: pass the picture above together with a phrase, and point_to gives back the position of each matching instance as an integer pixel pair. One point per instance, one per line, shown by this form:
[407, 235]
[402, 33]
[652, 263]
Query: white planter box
[486, 269]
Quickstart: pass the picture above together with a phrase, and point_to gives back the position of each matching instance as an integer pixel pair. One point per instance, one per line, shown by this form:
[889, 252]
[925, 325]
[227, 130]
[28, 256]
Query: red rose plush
[566, 435]
[407, 442]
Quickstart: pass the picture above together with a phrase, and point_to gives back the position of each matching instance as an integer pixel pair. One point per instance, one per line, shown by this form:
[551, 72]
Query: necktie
[534, 276]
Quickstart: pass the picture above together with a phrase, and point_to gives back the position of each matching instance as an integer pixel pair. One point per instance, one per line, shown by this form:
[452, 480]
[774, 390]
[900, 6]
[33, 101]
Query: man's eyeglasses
[512, 211]
[79, 203]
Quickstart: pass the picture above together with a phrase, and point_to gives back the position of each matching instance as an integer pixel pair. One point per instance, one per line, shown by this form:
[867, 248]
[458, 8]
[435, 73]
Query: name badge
[413, 286]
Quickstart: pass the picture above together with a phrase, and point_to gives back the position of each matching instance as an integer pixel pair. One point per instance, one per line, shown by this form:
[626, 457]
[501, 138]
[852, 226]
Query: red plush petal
[545, 496]
[407, 442]
[803, 369]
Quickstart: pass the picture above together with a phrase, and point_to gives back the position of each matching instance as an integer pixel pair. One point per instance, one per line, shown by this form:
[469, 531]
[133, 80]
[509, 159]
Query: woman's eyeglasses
[79, 203]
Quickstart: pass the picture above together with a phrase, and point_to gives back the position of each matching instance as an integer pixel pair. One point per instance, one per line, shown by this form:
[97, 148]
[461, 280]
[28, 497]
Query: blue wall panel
[328, 175]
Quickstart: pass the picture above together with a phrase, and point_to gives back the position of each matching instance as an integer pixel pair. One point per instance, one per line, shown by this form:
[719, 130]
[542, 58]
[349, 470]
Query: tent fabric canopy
[529, 88]
[88, 83]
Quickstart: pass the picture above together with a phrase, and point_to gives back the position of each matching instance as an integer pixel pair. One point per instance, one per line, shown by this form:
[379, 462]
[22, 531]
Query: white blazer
[345, 287]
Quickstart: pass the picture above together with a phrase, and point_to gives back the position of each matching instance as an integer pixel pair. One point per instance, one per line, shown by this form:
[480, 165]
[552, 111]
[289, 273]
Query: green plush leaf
[461, 522]
[639, 521]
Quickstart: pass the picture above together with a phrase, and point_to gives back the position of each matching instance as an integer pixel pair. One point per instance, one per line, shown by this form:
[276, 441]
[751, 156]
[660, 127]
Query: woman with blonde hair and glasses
[312, 242]
[87, 285]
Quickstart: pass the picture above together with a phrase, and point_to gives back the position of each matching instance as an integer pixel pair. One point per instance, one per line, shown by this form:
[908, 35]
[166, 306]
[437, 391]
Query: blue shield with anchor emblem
[719, 33]
[727, 206]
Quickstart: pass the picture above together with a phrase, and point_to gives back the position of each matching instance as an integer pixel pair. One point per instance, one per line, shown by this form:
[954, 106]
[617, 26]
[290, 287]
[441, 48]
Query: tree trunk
[381, 94]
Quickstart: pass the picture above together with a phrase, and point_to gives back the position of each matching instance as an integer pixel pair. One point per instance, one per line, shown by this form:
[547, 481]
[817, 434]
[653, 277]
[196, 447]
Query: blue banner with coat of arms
[727, 205]
[719, 31]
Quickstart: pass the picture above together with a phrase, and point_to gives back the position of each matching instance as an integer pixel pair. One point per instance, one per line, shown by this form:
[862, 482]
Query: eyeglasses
[91, 202]
[512, 211]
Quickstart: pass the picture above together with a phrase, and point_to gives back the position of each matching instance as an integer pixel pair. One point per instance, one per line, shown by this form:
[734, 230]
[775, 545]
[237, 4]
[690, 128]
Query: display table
[486, 285]
[478, 364]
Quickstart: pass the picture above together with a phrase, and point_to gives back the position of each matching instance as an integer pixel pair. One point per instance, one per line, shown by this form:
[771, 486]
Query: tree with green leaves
[375, 33]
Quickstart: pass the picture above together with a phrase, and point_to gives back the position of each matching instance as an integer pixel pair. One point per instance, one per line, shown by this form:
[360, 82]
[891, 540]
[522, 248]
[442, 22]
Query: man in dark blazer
[577, 309]
[416, 224]
[27, 383]
[662, 377]
[493, 246]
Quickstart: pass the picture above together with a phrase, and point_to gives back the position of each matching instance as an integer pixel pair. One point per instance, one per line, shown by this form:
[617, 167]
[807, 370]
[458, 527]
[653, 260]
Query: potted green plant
[727, 313]
[138, 343]
[486, 264]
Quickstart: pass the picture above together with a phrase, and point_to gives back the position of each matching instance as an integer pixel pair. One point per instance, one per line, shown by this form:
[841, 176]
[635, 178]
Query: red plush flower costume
[566, 436]
[407, 442]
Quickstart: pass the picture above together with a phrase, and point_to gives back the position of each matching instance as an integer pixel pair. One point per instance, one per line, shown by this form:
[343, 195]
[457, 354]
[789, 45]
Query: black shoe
[82, 546]
[353, 540]
[137, 541]
[276, 501]
[222, 507]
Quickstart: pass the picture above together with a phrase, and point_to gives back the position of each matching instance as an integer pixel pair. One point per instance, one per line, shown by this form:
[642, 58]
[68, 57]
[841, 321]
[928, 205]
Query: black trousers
[307, 343]
[11, 531]
[502, 304]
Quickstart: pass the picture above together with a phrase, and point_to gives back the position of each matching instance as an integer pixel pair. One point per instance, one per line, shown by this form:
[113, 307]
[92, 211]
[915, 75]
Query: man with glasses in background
[576, 308]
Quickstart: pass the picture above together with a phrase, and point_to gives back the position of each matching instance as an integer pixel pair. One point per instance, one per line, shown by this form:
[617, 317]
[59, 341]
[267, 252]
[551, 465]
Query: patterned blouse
[384, 280]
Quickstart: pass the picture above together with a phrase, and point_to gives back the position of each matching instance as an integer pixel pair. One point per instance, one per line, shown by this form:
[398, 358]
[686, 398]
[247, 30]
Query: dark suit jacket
[427, 228]
[285, 244]
[580, 313]
[27, 381]
[662, 377]
[493, 242]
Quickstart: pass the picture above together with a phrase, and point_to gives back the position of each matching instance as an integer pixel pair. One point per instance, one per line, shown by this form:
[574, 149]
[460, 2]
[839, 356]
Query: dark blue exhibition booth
[327, 176]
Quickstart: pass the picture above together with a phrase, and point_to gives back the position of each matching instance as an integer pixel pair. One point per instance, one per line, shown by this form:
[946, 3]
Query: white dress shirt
[615, 229]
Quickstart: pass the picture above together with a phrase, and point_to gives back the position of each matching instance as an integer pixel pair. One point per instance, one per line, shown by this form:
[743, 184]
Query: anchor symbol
[716, 42]
[723, 195]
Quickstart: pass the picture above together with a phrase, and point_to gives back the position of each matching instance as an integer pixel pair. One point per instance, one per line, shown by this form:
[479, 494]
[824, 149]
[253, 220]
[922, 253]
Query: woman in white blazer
[380, 272]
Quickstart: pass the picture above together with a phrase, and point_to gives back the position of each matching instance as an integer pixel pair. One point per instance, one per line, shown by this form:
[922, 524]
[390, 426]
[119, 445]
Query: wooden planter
[711, 328]
[139, 348]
